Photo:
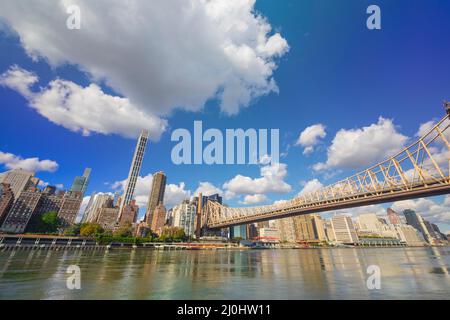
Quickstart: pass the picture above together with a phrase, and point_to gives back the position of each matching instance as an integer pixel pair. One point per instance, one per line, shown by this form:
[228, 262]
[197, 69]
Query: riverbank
[57, 243]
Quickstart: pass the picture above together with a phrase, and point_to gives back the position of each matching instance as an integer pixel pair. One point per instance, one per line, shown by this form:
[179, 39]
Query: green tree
[124, 231]
[73, 230]
[90, 230]
[51, 221]
[236, 239]
[46, 223]
[172, 234]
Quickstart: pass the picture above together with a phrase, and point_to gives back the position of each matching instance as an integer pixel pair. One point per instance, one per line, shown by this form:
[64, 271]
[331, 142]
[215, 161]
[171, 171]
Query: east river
[406, 273]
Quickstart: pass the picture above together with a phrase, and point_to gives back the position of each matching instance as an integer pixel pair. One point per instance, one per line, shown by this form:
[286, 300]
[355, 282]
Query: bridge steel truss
[420, 170]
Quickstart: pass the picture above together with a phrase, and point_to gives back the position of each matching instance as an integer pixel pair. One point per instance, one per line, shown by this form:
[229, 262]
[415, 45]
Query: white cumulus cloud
[207, 189]
[310, 137]
[310, 186]
[271, 180]
[359, 148]
[160, 54]
[11, 161]
[252, 199]
[83, 109]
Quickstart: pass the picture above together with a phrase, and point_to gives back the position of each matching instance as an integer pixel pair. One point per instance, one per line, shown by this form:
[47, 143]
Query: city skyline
[367, 229]
[347, 105]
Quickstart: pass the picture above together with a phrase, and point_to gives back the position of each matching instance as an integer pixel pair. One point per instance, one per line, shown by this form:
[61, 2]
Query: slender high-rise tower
[80, 184]
[135, 169]
[156, 196]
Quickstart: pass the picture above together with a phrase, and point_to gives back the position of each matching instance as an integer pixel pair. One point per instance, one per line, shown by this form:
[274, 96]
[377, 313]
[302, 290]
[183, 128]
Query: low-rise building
[269, 233]
[107, 217]
[129, 213]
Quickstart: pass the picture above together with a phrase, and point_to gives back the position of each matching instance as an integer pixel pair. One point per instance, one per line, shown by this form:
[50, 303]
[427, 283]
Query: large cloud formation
[82, 109]
[160, 55]
[359, 148]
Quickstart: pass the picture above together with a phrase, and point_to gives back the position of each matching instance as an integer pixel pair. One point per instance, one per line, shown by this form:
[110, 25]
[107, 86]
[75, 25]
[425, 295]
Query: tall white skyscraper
[135, 169]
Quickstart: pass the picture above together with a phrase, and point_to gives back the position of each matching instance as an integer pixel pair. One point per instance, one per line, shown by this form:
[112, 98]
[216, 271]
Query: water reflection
[412, 273]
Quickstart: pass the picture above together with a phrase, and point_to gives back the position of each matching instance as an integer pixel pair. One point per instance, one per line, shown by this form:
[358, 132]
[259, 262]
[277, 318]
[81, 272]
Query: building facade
[96, 202]
[344, 230]
[303, 228]
[19, 215]
[156, 196]
[159, 218]
[6, 201]
[70, 206]
[81, 183]
[18, 180]
[239, 232]
[184, 216]
[135, 169]
[107, 217]
[286, 229]
[129, 213]
[409, 235]
[414, 219]
[50, 201]
[393, 217]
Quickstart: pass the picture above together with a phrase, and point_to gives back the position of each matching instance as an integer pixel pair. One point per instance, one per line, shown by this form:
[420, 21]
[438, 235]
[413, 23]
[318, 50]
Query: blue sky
[332, 71]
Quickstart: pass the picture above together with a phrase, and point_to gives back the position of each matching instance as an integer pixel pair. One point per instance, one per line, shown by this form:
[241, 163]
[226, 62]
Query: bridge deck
[325, 206]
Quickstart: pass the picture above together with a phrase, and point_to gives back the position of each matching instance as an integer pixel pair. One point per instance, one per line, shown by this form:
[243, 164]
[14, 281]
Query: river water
[406, 273]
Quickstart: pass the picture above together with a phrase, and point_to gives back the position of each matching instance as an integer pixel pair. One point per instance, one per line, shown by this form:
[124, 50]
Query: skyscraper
[135, 169]
[393, 217]
[159, 218]
[80, 184]
[416, 220]
[18, 180]
[156, 195]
